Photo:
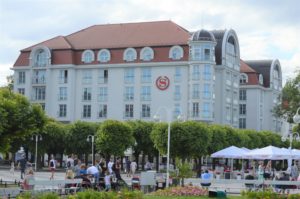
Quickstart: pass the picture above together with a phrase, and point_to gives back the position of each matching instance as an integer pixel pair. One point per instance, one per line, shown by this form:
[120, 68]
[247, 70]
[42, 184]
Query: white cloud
[266, 29]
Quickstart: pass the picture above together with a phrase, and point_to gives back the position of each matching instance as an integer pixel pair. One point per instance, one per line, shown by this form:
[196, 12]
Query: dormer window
[87, 56]
[261, 79]
[176, 53]
[104, 55]
[130, 54]
[41, 58]
[147, 54]
[243, 79]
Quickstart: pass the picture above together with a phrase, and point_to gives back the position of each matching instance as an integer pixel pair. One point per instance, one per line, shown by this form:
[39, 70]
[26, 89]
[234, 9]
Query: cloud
[266, 29]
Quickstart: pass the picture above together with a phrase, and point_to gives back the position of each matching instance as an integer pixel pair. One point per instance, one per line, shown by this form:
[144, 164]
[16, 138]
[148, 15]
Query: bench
[59, 186]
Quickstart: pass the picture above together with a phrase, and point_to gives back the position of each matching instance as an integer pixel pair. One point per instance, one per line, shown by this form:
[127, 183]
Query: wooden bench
[59, 186]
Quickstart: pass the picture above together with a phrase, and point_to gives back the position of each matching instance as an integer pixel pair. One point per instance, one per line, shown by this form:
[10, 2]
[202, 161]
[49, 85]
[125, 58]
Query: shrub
[91, 194]
[268, 194]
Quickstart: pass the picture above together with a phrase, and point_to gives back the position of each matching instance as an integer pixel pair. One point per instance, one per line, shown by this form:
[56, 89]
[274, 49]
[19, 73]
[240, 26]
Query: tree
[77, 137]
[18, 118]
[113, 138]
[141, 132]
[290, 97]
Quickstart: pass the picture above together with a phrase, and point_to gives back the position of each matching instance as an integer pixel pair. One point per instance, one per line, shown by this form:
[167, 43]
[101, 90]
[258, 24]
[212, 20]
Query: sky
[266, 29]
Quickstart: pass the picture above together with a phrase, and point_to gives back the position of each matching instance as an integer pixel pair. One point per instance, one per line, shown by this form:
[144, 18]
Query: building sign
[162, 82]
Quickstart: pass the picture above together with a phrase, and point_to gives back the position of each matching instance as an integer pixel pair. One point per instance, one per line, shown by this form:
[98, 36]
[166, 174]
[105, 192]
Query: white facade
[202, 77]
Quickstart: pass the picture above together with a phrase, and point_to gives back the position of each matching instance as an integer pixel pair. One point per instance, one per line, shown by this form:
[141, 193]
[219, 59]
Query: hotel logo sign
[162, 82]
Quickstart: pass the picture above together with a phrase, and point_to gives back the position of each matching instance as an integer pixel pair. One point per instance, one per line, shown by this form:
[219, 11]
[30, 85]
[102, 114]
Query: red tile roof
[246, 68]
[157, 33]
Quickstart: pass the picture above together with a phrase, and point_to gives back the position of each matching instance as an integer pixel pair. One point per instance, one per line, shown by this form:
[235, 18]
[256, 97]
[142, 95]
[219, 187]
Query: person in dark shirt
[22, 166]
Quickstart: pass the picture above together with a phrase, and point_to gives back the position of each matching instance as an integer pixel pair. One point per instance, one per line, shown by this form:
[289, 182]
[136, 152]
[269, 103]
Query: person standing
[128, 167]
[29, 176]
[12, 167]
[52, 167]
[133, 167]
[92, 170]
[110, 166]
[22, 165]
[107, 180]
[294, 171]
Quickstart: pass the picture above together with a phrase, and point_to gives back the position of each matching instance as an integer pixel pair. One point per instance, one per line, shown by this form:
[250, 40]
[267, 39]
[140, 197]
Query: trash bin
[227, 175]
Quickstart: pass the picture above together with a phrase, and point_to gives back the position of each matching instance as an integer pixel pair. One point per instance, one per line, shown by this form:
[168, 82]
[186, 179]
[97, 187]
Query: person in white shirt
[133, 167]
[110, 165]
[52, 167]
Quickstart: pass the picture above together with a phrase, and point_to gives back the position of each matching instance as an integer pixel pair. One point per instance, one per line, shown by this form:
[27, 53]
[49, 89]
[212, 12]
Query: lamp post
[92, 138]
[169, 119]
[37, 138]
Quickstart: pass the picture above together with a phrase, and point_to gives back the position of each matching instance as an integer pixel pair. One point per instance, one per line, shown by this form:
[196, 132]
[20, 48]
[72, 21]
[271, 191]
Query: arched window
[243, 78]
[129, 54]
[41, 58]
[176, 53]
[88, 56]
[147, 54]
[104, 55]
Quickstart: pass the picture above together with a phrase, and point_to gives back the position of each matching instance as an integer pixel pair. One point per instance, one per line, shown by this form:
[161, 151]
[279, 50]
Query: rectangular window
[146, 93]
[39, 77]
[206, 110]
[102, 95]
[87, 94]
[39, 93]
[206, 54]
[195, 109]
[146, 111]
[197, 53]
[177, 76]
[177, 110]
[207, 72]
[103, 76]
[87, 77]
[63, 76]
[146, 75]
[62, 93]
[87, 111]
[102, 111]
[196, 91]
[177, 94]
[243, 94]
[196, 72]
[21, 77]
[21, 91]
[62, 110]
[242, 109]
[129, 75]
[228, 78]
[242, 123]
[128, 110]
[206, 91]
[129, 93]
[228, 114]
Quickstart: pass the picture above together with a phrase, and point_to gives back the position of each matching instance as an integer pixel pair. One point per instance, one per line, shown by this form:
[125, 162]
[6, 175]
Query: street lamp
[37, 138]
[91, 138]
[169, 120]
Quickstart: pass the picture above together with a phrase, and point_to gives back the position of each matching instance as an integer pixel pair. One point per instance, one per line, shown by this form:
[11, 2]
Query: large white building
[130, 71]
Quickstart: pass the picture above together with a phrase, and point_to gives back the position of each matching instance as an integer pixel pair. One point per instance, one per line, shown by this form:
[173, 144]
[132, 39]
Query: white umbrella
[269, 152]
[229, 152]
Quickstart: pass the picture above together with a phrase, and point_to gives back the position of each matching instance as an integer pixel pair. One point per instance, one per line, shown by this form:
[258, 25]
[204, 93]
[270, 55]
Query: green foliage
[218, 138]
[159, 136]
[114, 137]
[125, 194]
[90, 194]
[18, 118]
[290, 96]
[48, 195]
[26, 195]
[184, 169]
[267, 194]
[141, 132]
[77, 135]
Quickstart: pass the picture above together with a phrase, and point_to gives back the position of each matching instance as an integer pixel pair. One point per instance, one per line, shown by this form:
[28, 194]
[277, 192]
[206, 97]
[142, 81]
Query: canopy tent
[269, 152]
[230, 152]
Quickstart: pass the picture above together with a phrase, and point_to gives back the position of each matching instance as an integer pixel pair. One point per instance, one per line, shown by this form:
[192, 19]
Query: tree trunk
[157, 162]
[182, 182]
[136, 156]
[143, 162]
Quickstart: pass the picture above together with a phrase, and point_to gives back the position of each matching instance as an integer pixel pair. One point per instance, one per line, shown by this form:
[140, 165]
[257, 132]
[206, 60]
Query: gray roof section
[263, 67]
[203, 35]
[218, 34]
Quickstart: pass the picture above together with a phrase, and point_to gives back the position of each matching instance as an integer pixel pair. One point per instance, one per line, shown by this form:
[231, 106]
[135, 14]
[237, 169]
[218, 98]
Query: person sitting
[94, 172]
[206, 179]
[29, 176]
